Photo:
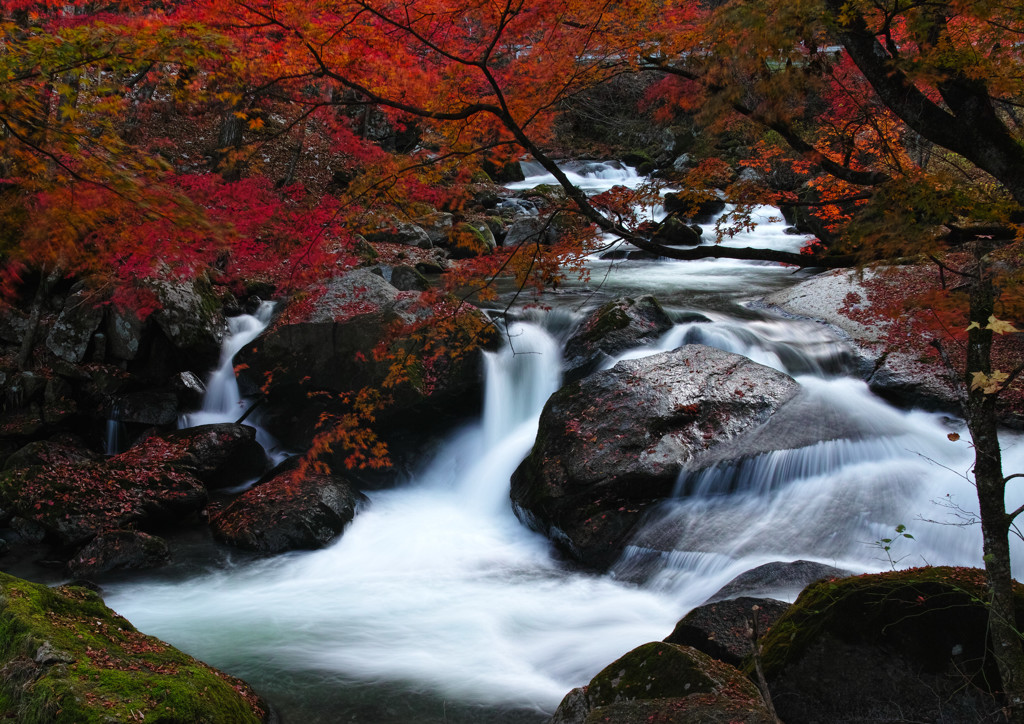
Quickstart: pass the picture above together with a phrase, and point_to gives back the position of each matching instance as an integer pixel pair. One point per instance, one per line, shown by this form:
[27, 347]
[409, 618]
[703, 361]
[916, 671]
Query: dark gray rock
[119, 550]
[723, 630]
[396, 231]
[125, 333]
[777, 578]
[530, 230]
[615, 442]
[619, 325]
[190, 317]
[221, 454]
[42, 452]
[675, 232]
[288, 511]
[146, 407]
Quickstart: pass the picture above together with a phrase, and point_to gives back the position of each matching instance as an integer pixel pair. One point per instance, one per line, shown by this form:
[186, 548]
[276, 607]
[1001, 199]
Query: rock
[396, 231]
[118, 550]
[189, 316]
[42, 452]
[674, 232]
[74, 502]
[66, 658]
[530, 230]
[619, 325]
[70, 335]
[311, 362]
[777, 578]
[409, 279]
[898, 646]
[722, 630]
[470, 240]
[665, 683]
[125, 333]
[146, 407]
[220, 455]
[288, 511]
[438, 227]
[613, 443]
[697, 210]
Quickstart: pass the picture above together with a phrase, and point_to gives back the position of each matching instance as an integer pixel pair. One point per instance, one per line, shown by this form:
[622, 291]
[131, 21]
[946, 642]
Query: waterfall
[222, 401]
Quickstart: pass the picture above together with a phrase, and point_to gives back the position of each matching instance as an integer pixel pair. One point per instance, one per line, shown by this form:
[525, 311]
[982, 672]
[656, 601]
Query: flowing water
[436, 605]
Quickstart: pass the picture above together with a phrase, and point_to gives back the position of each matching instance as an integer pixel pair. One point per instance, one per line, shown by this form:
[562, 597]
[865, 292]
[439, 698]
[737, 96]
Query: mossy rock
[669, 683]
[907, 645]
[67, 658]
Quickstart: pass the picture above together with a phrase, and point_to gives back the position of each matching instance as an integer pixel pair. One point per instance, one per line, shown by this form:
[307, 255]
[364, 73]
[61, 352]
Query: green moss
[66, 657]
[916, 612]
[610, 318]
[652, 671]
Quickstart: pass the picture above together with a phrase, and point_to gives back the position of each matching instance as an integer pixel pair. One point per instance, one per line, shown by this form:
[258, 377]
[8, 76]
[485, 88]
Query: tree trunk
[995, 522]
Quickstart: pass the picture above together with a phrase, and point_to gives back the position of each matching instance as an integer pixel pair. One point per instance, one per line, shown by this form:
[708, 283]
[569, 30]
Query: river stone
[613, 443]
[78, 321]
[125, 331]
[66, 658]
[777, 578]
[290, 510]
[619, 325]
[530, 230]
[396, 231]
[470, 239]
[45, 452]
[675, 232]
[665, 683]
[119, 550]
[220, 454]
[723, 630]
[895, 646]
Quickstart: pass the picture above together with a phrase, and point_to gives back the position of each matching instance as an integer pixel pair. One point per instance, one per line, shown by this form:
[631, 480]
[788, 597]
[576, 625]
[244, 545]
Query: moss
[652, 671]
[610, 318]
[66, 657]
[916, 612]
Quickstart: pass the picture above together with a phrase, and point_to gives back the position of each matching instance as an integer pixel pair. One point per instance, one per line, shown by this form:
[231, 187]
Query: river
[436, 605]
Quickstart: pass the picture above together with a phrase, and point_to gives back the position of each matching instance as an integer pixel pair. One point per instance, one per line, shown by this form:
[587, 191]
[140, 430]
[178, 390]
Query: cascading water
[436, 605]
[222, 401]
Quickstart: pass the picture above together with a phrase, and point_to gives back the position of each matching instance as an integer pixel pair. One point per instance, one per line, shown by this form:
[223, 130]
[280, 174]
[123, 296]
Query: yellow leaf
[973, 325]
[1000, 326]
[988, 384]
[255, 124]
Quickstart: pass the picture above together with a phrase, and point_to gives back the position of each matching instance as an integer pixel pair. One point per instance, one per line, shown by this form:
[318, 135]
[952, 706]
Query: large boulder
[189, 315]
[65, 658]
[291, 510]
[220, 455]
[74, 502]
[665, 683]
[79, 319]
[348, 338]
[613, 443]
[611, 329]
[898, 646]
[777, 578]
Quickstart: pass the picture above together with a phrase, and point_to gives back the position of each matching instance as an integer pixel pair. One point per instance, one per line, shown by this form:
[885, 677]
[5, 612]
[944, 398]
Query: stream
[437, 605]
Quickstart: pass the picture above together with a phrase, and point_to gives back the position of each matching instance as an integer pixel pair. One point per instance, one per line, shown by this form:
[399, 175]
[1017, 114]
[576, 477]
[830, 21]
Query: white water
[436, 595]
[222, 401]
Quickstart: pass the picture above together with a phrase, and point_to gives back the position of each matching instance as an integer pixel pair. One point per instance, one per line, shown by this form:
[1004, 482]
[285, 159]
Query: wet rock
[409, 279]
[610, 330]
[899, 646]
[723, 630]
[698, 211]
[665, 683]
[125, 333]
[777, 578]
[70, 335]
[674, 232]
[146, 407]
[615, 442]
[119, 550]
[220, 455]
[67, 658]
[289, 510]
